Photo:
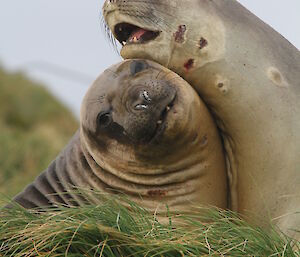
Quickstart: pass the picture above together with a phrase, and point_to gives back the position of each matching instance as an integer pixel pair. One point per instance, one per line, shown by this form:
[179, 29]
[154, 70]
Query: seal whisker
[173, 79]
[153, 19]
[163, 76]
[141, 14]
[108, 33]
[158, 74]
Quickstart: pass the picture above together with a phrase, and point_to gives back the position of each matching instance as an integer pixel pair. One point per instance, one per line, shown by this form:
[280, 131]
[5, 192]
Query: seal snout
[148, 105]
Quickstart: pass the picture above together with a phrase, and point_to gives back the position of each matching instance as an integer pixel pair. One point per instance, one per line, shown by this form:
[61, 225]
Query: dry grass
[112, 230]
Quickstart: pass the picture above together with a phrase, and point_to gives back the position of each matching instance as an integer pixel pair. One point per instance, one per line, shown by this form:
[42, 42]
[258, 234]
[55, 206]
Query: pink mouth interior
[137, 34]
[127, 33]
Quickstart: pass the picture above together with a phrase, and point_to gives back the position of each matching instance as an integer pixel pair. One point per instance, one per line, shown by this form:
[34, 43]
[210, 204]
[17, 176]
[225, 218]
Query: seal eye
[137, 66]
[104, 119]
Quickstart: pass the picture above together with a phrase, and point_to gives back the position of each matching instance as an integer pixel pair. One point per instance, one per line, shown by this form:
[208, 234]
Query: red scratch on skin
[202, 43]
[204, 140]
[157, 193]
[179, 34]
[189, 64]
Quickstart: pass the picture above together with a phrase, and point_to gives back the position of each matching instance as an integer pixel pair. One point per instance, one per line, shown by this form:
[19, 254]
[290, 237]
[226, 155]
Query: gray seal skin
[249, 77]
[143, 132]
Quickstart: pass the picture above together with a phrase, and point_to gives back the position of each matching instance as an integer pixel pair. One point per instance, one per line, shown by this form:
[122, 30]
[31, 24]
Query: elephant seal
[249, 77]
[143, 132]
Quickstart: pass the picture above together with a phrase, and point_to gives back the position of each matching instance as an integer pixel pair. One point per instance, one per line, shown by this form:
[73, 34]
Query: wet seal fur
[143, 132]
[249, 77]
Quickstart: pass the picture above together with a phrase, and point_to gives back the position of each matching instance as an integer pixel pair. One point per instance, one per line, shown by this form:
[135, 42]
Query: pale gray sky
[68, 33]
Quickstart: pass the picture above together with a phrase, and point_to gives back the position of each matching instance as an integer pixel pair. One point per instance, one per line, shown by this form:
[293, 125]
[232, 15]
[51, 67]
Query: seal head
[147, 128]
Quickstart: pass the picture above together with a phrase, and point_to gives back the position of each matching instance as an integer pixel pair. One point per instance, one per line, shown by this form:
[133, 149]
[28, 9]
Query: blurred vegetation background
[34, 128]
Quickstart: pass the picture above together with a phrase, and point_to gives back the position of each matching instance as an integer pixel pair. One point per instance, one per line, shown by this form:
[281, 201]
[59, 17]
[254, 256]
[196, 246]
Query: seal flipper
[53, 186]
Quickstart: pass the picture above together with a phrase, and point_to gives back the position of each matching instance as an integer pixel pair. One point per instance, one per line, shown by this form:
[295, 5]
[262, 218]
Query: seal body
[144, 132]
[249, 77]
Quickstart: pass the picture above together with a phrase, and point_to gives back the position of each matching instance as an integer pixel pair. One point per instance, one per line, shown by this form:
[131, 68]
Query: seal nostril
[146, 96]
[144, 100]
[104, 119]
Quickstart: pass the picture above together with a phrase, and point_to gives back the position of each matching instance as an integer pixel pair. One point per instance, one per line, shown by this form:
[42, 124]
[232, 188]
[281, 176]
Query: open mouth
[161, 123]
[130, 34]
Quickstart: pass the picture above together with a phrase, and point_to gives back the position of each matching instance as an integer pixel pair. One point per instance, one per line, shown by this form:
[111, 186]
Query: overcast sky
[39, 37]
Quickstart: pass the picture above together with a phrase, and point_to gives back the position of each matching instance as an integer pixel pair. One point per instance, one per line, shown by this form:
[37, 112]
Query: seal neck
[173, 188]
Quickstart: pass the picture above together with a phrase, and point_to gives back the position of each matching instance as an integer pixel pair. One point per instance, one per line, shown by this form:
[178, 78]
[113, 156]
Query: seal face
[144, 132]
[167, 26]
[145, 107]
[247, 74]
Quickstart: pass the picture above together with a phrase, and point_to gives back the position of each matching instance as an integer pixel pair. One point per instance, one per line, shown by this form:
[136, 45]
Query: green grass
[34, 127]
[112, 230]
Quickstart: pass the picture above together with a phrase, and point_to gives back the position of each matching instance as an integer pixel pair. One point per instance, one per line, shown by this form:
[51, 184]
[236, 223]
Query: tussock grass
[109, 229]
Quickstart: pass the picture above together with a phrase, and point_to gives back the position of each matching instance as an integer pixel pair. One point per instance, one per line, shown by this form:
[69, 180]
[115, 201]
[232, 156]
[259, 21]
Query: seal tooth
[168, 108]
[159, 122]
[134, 40]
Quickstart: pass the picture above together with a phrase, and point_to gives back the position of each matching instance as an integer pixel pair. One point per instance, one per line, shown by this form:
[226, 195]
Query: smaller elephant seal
[144, 132]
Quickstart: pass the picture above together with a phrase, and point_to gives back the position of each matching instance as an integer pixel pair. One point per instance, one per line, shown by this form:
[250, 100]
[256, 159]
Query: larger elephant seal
[143, 132]
[249, 77]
